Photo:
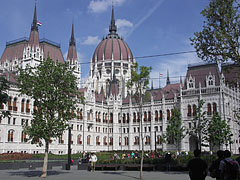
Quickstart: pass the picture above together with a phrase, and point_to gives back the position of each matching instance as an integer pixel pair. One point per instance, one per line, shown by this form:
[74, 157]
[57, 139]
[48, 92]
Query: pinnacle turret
[34, 23]
[112, 27]
[72, 40]
[168, 79]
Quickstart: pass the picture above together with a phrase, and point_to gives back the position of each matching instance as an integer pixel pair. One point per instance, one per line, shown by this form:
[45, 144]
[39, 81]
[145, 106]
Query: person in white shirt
[93, 160]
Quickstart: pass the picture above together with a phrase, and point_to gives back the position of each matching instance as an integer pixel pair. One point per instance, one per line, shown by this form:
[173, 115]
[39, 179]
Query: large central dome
[112, 47]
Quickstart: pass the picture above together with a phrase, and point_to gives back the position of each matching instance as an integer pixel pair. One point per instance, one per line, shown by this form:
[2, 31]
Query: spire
[112, 27]
[72, 52]
[34, 23]
[152, 85]
[72, 40]
[168, 79]
[34, 36]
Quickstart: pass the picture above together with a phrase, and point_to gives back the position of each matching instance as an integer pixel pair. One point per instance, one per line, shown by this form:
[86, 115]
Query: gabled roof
[200, 72]
[13, 51]
[231, 73]
[52, 51]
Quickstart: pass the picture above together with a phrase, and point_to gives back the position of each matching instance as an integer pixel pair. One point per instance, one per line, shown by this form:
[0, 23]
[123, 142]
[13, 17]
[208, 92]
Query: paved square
[58, 174]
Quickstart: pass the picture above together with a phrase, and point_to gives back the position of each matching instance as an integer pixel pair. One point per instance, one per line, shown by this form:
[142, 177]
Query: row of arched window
[192, 110]
[11, 136]
[79, 139]
[12, 105]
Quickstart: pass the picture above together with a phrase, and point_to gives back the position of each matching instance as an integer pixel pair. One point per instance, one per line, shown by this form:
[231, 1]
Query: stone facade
[109, 120]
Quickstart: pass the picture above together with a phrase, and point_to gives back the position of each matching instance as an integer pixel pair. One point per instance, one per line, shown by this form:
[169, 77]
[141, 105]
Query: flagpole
[159, 80]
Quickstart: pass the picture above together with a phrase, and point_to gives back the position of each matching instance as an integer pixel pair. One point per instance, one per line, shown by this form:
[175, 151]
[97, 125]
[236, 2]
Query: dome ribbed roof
[112, 47]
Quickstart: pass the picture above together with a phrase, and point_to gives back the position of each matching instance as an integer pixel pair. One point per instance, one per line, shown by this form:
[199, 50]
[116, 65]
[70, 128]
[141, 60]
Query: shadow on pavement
[175, 172]
[35, 173]
[120, 174]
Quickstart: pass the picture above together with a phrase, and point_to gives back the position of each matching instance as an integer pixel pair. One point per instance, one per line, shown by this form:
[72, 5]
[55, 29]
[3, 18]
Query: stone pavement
[58, 174]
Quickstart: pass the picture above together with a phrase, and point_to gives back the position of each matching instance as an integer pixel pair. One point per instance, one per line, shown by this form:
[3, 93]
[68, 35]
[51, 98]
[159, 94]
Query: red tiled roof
[200, 72]
[231, 73]
[112, 45]
[72, 54]
[52, 51]
[12, 78]
[14, 51]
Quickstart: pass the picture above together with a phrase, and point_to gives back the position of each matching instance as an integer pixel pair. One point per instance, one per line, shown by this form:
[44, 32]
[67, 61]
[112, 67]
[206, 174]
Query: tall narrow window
[156, 115]
[149, 116]
[136, 142]
[214, 108]
[10, 103]
[194, 110]
[81, 115]
[88, 140]
[145, 116]
[209, 109]
[128, 118]
[15, 104]
[147, 142]
[105, 141]
[97, 141]
[23, 137]
[124, 118]
[134, 117]
[10, 136]
[189, 111]
[168, 114]
[27, 106]
[138, 117]
[126, 141]
[111, 118]
[79, 139]
[160, 115]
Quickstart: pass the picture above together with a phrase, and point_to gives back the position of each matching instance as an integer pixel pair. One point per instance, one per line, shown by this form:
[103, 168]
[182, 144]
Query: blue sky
[149, 27]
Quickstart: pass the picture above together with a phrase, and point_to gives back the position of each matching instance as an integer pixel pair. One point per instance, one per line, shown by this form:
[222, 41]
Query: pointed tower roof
[112, 27]
[34, 36]
[168, 79]
[72, 52]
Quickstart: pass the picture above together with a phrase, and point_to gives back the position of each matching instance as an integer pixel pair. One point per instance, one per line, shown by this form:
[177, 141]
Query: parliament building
[109, 119]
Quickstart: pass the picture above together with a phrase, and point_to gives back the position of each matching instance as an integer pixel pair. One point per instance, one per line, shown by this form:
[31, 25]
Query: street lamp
[68, 165]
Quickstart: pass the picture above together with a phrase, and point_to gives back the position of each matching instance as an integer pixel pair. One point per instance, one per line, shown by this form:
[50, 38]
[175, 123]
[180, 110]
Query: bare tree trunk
[45, 163]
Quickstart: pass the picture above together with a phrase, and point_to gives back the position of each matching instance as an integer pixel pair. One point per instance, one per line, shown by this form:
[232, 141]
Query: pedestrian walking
[197, 167]
[229, 168]
[93, 160]
[214, 168]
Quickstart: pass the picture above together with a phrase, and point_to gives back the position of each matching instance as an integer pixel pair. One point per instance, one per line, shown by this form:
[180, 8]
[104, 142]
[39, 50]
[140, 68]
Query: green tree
[54, 90]
[139, 83]
[219, 39]
[219, 132]
[200, 124]
[175, 130]
[4, 86]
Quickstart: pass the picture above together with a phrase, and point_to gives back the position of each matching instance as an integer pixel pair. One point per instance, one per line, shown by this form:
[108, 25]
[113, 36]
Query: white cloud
[123, 26]
[121, 23]
[98, 6]
[91, 40]
[176, 66]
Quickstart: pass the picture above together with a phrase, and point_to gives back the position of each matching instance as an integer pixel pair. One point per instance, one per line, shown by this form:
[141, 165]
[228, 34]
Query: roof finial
[112, 27]
[34, 24]
[168, 79]
[72, 40]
